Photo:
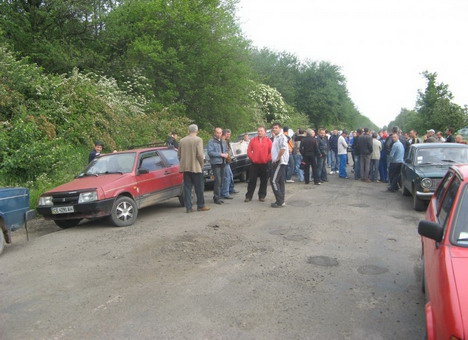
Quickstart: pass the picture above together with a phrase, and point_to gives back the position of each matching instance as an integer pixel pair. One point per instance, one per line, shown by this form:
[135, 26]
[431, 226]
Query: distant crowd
[308, 155]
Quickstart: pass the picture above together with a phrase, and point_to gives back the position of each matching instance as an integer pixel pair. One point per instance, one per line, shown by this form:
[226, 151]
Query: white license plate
[63, 210]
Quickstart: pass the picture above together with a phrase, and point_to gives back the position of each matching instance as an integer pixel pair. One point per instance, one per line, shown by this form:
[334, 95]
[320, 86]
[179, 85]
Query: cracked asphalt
[340, 261]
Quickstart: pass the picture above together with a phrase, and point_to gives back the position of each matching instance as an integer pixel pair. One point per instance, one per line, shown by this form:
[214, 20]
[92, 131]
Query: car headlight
[86, 197]
[426, 183]
[45, 201]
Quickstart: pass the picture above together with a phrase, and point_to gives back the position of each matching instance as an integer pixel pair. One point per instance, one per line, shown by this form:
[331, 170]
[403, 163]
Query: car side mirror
[431, 230]
[142, 171]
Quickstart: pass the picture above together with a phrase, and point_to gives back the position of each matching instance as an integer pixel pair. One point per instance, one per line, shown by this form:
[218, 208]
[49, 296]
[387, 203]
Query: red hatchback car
[445, 257]
[115, 185]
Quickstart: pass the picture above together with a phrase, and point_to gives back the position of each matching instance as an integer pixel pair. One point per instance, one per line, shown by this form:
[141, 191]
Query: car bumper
[85, 210]
[424, 195]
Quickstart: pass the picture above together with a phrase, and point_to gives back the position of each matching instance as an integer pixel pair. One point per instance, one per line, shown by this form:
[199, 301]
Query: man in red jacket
[259, 152]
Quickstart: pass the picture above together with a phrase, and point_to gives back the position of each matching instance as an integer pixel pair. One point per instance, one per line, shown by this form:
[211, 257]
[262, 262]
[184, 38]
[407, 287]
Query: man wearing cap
[430, 138]
[96, 152]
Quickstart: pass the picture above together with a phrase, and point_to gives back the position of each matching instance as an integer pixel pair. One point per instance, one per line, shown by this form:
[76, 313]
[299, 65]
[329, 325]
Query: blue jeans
[322, 168]
[290, 167]
[193, 180]
[357, 167]
[218, 173]
[228, 182]
[299, 172]
[343, 159]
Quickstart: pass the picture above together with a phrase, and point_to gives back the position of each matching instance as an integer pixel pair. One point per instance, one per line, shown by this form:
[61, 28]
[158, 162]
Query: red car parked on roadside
[115, 185]
[445, 257]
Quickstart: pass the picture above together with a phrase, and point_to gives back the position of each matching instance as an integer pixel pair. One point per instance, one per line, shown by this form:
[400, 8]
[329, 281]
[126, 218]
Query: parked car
[14, 212]
[424, 166]
[445, 257]
[115, 185]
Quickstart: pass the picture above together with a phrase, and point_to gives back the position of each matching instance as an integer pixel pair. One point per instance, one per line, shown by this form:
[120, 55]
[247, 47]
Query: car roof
[139, 150]
[438, 145]
[461, 169]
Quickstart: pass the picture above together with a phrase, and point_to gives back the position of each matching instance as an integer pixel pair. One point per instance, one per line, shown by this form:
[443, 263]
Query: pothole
[372, 270]
[323, 261]
[300, 204]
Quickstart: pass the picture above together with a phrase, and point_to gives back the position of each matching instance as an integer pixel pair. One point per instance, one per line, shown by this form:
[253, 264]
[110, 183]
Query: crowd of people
[308, 155]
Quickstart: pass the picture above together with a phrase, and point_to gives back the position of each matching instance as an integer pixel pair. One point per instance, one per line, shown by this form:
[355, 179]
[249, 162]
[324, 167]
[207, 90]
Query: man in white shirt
[279, 162]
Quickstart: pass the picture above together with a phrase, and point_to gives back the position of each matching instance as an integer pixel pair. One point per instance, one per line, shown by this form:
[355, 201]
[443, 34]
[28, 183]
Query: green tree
[322, 95]
[435, 105]
[57, 35]
[278, 70]
[192, 52]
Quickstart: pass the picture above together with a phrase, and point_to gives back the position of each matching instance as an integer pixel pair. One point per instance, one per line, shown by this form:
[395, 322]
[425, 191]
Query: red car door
[153, 179]
[440, 285]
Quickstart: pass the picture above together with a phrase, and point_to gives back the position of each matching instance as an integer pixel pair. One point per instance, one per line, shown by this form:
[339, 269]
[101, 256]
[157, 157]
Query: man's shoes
[247, 199]
[227, 197]
[391, 190]
[344, 177]
[205, 208]
[261, 199]
[289, 181]
[218, 202]
[318, 183]
[332, 172]
[234, 192]
[190, 211]
[276, 205]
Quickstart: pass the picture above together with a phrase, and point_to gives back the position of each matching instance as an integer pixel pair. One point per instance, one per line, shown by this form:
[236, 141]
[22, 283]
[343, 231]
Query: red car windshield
[111, 164]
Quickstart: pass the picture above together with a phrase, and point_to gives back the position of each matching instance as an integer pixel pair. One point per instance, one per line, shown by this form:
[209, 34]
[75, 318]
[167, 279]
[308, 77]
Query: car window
[447, 202]
[443, 187]
[151, 161]
[111, 163]
[170, 155]
[460, 227]
[441, 155]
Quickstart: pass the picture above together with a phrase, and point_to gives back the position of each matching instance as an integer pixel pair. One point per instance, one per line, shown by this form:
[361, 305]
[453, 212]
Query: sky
[382, 46]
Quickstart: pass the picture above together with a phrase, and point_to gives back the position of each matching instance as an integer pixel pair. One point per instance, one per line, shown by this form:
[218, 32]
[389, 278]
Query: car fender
[429, 322]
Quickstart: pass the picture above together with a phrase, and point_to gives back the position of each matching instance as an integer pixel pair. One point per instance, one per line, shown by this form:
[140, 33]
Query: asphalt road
[340, 261]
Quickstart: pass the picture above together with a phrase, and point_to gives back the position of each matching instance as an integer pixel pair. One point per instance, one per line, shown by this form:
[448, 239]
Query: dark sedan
[424, 166]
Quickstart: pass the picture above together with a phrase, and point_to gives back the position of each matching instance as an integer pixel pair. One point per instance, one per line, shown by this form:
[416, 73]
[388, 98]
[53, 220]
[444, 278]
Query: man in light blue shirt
[396, 155]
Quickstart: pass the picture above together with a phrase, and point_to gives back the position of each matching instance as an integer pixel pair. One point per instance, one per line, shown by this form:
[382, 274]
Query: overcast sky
[382, 46]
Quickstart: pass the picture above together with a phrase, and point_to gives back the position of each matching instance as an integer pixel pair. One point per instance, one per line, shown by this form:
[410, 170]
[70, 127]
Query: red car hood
[91, 182]
[460, 264]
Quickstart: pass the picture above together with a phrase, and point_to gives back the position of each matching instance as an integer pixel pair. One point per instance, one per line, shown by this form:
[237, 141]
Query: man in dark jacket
[365, 150]
[357, 154]
[322, 158]
[310, 151]
[333, 143]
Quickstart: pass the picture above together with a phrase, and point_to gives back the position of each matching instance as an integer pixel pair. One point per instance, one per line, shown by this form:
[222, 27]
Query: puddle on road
[323, 261]
[371, 270]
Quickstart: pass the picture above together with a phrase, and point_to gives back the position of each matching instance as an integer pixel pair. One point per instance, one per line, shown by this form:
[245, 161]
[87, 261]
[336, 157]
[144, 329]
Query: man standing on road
[217, 150]
[343, 153]
[191, 160]
[227, 187]
[310, 151]
[396, 155]
[259, 153]
[365, 151]
[333, 154]
[279, 159]
[322, 158]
